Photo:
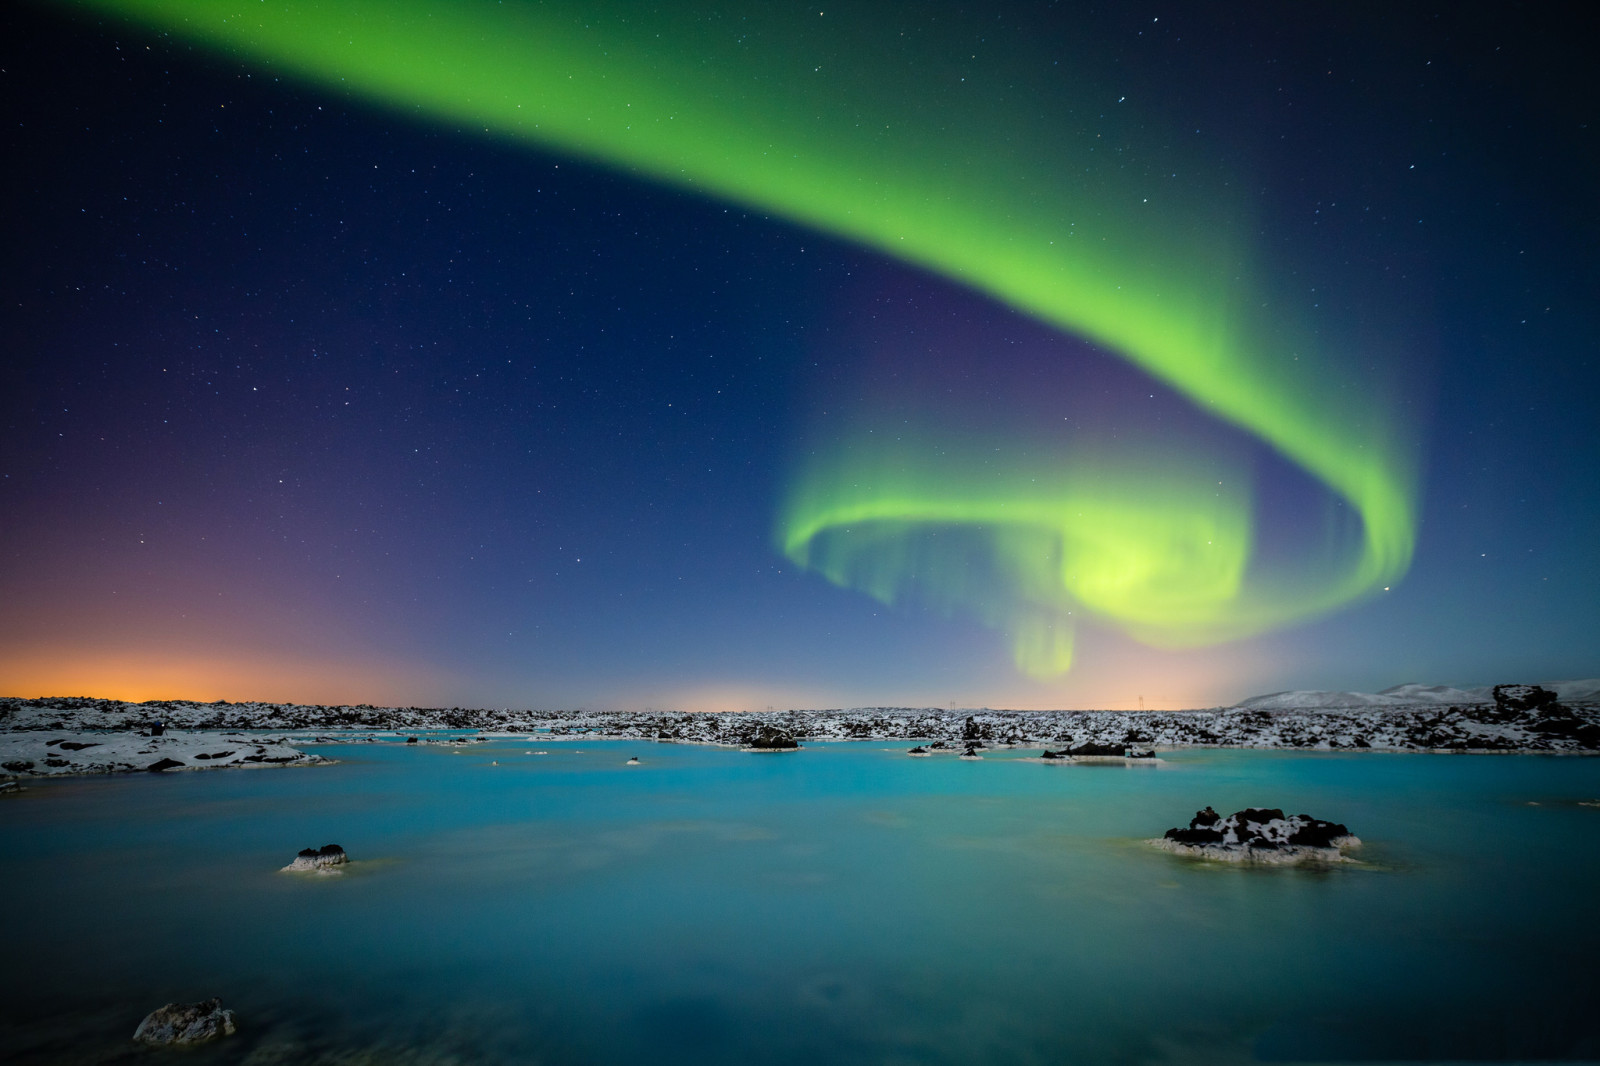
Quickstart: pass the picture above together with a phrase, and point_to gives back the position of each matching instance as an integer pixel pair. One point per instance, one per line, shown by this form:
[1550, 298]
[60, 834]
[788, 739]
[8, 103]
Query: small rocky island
[318, 860]
[1263, 835]
[185, 1024]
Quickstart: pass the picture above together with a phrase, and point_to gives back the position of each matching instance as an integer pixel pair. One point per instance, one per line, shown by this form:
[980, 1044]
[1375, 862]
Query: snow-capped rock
[319, 860]
[1260, 835]
[770, 738]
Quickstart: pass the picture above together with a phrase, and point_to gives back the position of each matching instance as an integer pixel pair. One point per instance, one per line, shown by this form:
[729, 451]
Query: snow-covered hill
[1410, 695]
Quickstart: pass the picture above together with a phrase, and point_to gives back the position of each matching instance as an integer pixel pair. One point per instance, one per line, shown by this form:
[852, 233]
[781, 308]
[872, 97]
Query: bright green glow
[1157, 545]
[847, 132]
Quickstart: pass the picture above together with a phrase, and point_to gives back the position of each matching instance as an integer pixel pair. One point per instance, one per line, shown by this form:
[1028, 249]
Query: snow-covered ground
[34, 753]
[1411, 695]
[80, 735]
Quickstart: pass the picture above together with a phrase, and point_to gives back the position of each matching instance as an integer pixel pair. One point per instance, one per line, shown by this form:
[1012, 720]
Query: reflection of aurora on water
[838, 123]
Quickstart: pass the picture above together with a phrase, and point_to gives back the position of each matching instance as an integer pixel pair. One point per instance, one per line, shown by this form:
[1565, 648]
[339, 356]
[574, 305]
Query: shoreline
[82, 736]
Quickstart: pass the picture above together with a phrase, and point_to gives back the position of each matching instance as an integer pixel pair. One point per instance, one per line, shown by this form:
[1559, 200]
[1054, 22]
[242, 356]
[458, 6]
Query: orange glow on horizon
[1115, 678]
[137, 676]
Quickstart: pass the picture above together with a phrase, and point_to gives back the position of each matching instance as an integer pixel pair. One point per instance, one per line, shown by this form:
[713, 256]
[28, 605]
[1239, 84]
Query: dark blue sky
[304, 399]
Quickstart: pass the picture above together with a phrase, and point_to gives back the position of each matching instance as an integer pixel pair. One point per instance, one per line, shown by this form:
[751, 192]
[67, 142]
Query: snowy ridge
[1411, 695]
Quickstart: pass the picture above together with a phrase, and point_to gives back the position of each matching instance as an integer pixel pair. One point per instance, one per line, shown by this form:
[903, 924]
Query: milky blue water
[841, 904]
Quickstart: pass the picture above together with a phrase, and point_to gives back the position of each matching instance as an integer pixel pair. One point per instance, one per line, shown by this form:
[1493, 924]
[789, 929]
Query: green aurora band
[994, 176]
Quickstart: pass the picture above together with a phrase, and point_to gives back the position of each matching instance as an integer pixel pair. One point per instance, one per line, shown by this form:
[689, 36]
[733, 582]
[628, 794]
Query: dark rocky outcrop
[1260, 834]
[1537, 711]
[1511, 700]
[185, 1023]
[163, 764]
[321, 860]
[1097, 749]
[771, 738]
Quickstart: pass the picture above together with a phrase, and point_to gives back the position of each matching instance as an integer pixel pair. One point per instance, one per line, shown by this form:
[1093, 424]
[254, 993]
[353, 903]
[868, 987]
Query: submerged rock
[1260, 835]
[918, 750]
[185, 1023]
[319, 860]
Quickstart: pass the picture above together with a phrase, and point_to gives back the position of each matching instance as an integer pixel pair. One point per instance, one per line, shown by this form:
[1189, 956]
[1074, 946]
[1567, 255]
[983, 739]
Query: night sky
[724, 357]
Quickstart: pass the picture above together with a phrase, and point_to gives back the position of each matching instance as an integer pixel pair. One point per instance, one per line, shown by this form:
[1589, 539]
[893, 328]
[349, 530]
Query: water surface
[841, 904]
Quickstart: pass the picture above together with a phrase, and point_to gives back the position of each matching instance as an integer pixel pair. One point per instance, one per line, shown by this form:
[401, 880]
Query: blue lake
[840, 904]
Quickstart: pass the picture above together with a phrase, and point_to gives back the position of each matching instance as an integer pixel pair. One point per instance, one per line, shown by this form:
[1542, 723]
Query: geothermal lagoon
[842, 903]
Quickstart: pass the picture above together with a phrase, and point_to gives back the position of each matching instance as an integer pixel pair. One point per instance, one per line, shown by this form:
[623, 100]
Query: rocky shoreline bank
[56, 753]
[83, 735]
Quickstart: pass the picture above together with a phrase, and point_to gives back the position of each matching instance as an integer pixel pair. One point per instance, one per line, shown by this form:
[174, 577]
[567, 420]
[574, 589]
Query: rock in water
[321, 860]
[1260, 835]
[185, 1023]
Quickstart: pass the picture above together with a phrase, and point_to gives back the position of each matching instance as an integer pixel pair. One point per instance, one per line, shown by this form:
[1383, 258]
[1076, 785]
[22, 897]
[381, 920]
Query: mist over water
[843, 903]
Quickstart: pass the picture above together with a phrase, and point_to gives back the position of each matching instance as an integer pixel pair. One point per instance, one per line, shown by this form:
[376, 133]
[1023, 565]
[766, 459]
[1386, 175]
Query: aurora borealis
[1047, 231]
[1041, 178]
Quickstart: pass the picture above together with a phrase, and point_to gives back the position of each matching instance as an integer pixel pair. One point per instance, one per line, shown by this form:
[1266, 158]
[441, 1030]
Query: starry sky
[734, 356]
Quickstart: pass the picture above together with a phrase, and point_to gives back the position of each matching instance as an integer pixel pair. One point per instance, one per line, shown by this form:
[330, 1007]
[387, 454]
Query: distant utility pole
[1141, 703]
